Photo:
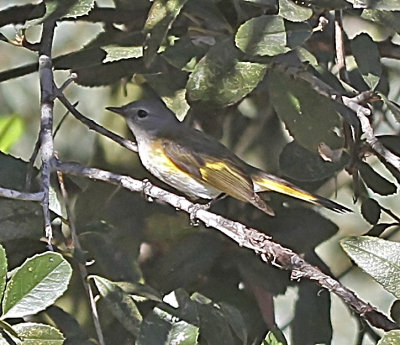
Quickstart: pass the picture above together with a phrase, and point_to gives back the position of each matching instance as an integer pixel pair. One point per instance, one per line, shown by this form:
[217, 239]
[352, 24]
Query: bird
[197, 164]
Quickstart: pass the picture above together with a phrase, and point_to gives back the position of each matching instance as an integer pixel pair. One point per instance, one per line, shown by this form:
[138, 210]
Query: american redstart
[198, 165]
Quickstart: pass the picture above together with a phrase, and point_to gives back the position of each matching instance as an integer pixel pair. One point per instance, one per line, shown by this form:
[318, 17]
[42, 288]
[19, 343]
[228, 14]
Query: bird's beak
[118, 110]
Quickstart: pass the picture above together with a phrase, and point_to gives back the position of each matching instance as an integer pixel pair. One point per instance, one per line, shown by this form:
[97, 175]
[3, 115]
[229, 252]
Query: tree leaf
[221, 79]
[378, 229]
[270, 35]
[375, 181]
[371, 211]
[275, 337]
[116, 53]
[36, 285]
[299, 107]
[11, 129]
[392, 106]
[300, 164]
[390, 338]
[377, 257]
[293, 12]
[385, 5]
[62, 8]
[389, 19]
[159, 20]
[120, 304]
[162, 328]
[38, 334]
[312, 311]
[235, 320]
[3, 270]
[367, 57]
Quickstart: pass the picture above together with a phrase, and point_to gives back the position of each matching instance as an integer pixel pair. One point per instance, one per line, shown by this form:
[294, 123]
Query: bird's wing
[217, 170]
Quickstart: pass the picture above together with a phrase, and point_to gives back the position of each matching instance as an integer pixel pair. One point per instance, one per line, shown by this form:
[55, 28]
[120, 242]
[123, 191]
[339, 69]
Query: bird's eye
[142, 113]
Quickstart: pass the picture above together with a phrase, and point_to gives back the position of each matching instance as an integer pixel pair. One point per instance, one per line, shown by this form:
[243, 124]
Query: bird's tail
[266, 182]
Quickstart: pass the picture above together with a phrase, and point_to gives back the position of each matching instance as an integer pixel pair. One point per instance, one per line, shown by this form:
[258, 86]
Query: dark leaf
[327, 4]
[395, 312]
[299, 107]
[120, 304]
[368, 60]
[300, 164]
[371, 211]
[313, 313]
[375, 181]
[378, 229]
[20, 14]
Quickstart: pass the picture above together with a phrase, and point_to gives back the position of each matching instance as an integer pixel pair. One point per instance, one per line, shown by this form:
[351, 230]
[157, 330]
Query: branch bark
[244, 236]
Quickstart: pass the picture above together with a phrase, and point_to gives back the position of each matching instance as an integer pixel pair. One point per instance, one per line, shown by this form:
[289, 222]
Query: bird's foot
[193, 212]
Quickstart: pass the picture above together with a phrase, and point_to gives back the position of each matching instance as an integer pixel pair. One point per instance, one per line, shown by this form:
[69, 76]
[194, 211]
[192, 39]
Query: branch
[14, 194]
[259, 242]
[46, 120]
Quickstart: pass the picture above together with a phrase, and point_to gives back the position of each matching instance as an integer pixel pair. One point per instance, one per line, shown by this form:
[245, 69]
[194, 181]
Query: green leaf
[3, 270]
[38, 334]
[221, 79]
[390, 338]
[386, 5]
[392, 106]
[299, 107]
[389, 19]
[377, 257]
[36, 285]
[11, 129]
[120, 304]
[375, 181]
[162, 328]
[160, 18]
[270, 35]
[79, 8]
[371, 211]
[275, 337]
[293, 12]
[367, 57]
[116, 53]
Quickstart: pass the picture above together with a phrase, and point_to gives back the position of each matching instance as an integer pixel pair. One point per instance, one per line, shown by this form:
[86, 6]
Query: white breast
[163, 168]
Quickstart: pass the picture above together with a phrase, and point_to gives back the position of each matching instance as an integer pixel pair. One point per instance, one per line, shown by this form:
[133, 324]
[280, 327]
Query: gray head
[150, 116]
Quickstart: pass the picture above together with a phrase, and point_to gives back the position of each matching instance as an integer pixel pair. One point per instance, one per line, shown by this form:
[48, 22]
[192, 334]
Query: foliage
[265, 77]
[33, 287]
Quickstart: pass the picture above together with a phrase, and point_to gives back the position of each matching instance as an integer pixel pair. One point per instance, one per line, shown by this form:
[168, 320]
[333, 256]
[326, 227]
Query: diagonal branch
[253, 239]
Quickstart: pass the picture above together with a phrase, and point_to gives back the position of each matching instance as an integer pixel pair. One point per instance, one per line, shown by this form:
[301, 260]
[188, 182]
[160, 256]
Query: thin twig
[14, 194]
[259, 242]
[130, 145]
[82, 268]
[339, 46]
